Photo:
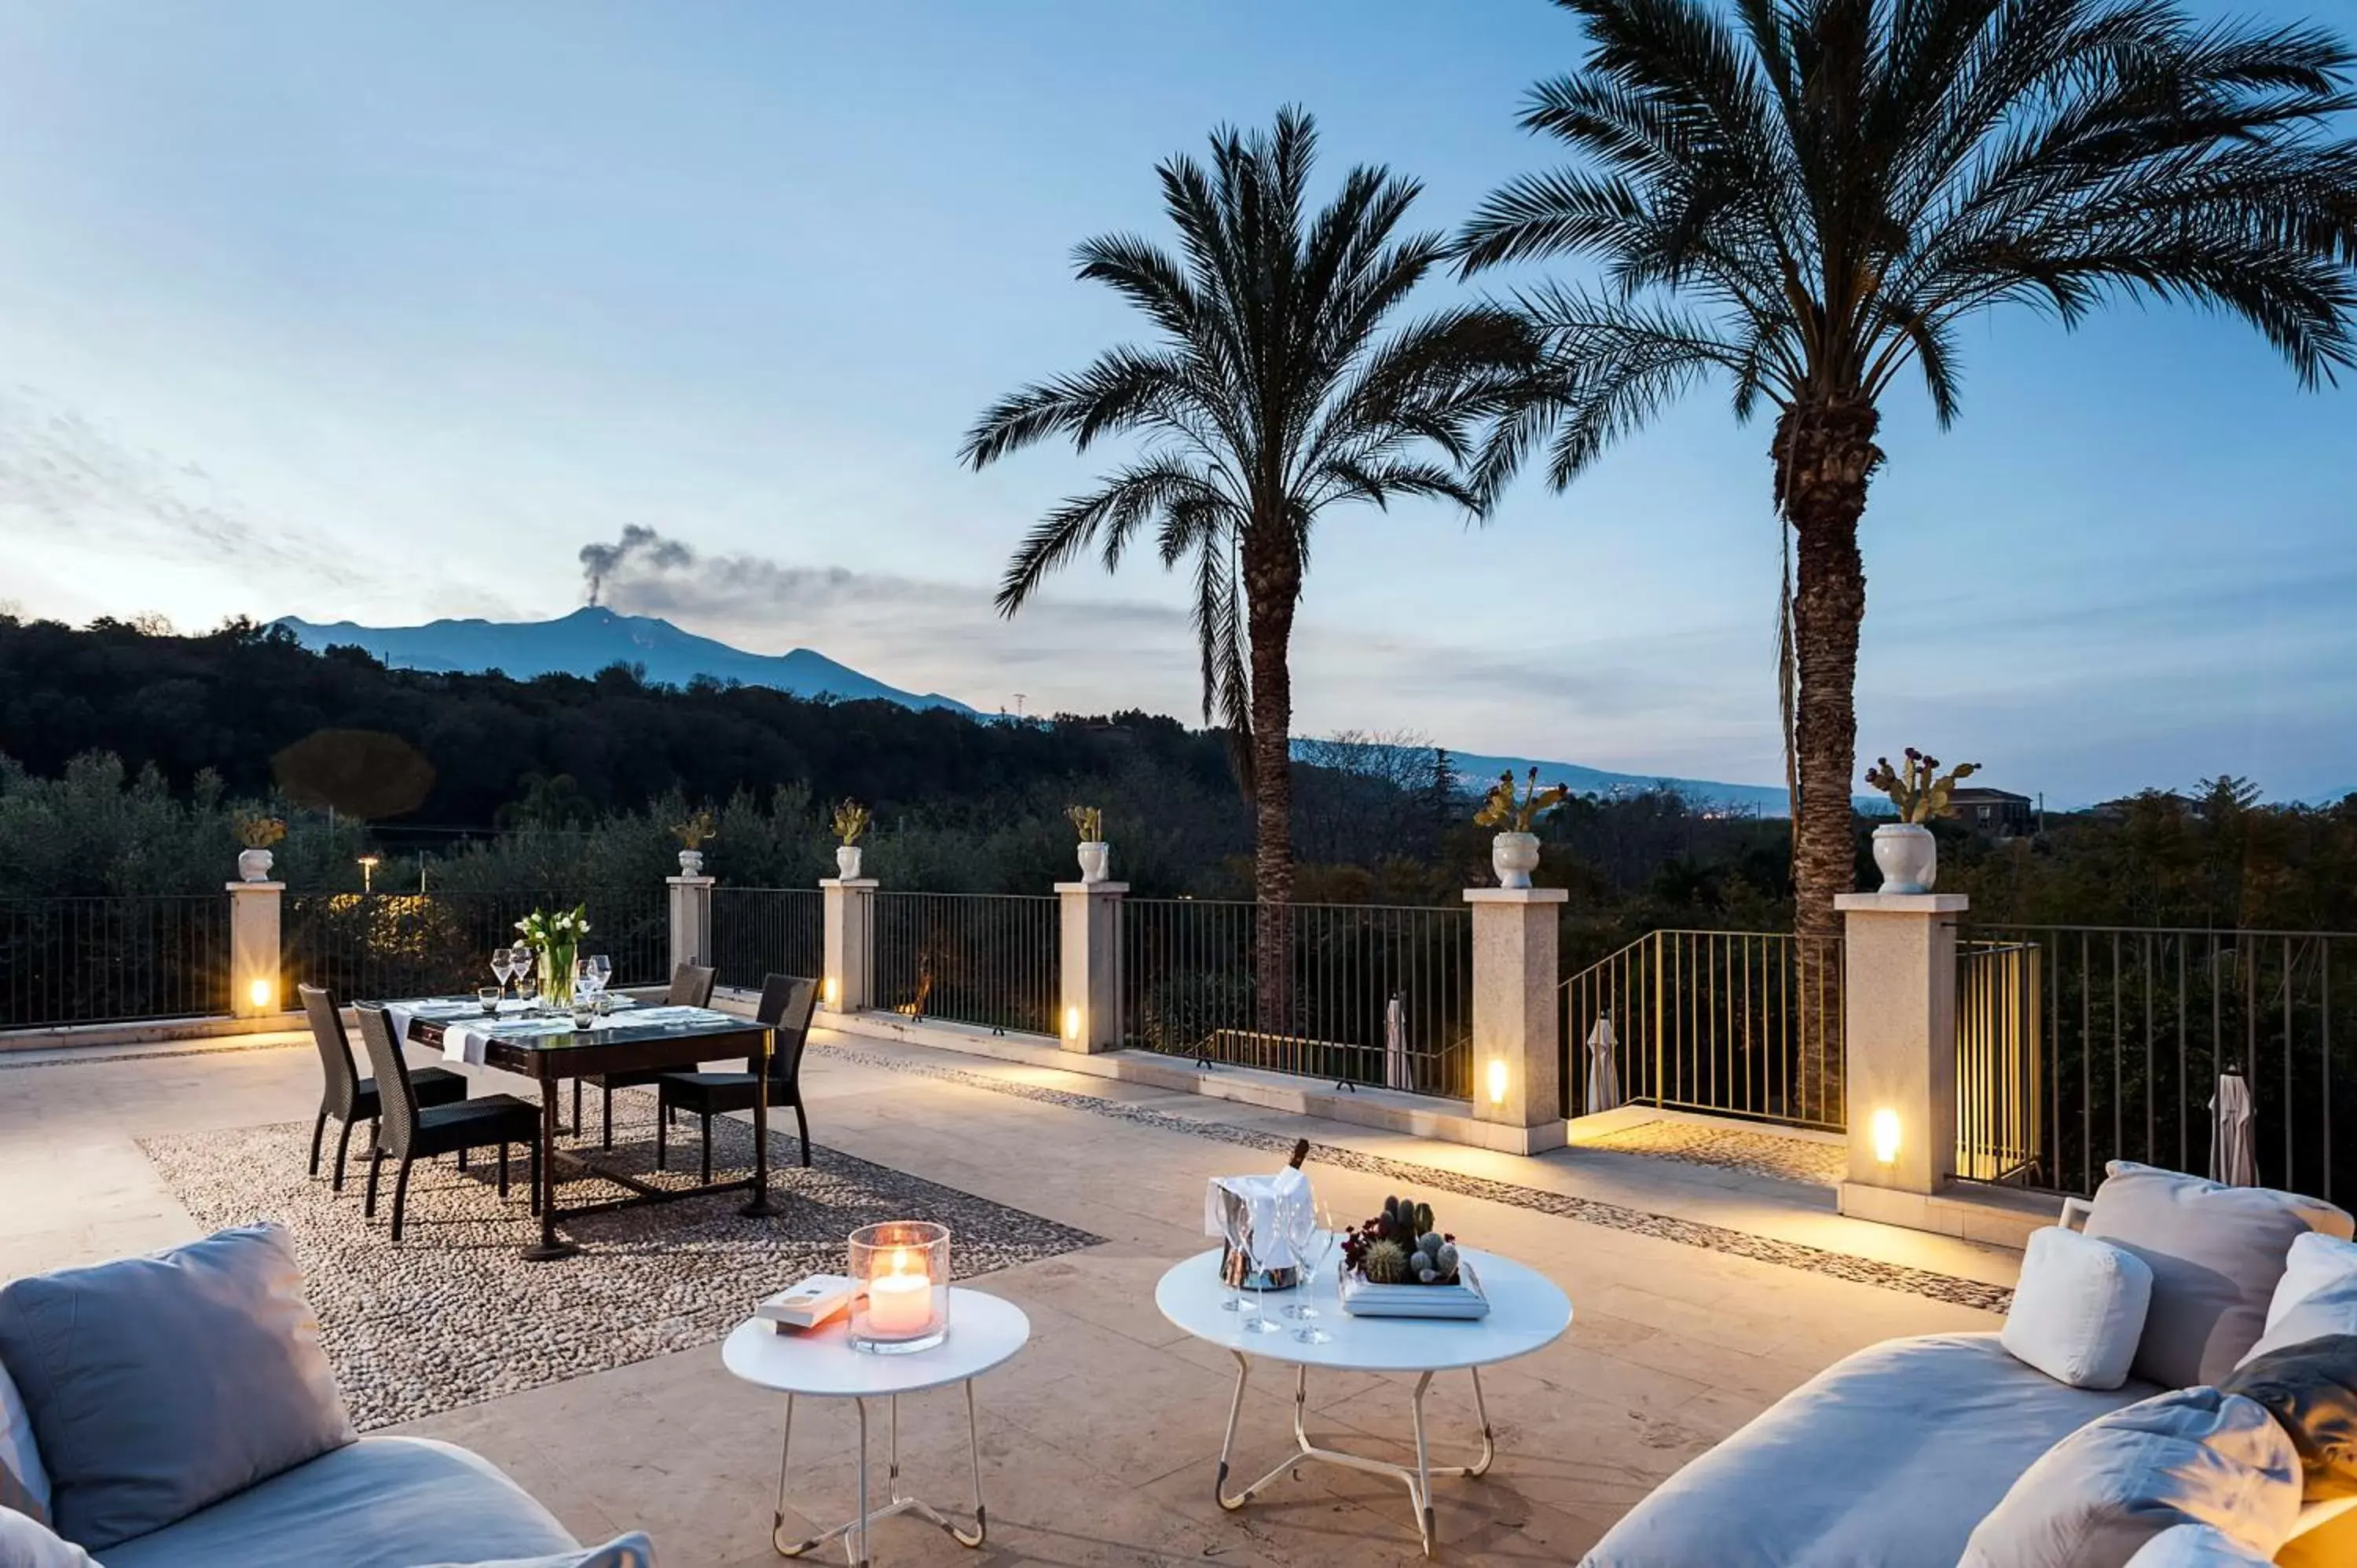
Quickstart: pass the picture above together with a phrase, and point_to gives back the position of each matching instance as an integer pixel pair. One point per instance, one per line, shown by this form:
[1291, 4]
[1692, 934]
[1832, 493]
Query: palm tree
[1268, 397]
[1807, 197]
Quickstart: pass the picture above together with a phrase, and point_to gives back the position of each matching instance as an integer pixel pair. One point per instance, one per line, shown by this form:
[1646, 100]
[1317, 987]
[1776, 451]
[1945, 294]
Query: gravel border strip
[1901, 1277]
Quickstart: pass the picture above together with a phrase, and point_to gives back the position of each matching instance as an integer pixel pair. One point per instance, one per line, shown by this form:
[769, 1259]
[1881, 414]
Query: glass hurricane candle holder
[901, 1273]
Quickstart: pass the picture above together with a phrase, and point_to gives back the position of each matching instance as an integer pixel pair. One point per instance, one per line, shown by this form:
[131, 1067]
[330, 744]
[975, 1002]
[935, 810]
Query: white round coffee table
[819, 1363]
[1527, 1312]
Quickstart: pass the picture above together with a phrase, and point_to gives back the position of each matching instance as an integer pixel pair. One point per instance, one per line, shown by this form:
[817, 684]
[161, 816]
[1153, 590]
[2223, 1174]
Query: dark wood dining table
[617, 1044]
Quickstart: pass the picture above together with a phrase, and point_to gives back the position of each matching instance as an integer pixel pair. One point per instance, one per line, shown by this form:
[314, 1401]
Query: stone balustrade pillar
[1088, 965]
[1517, 1044]
[848, 910]
[254, 948]
[691, 920]
[1899, 1002]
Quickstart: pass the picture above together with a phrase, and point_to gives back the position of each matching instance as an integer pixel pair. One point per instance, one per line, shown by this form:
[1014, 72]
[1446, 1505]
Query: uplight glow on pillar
[1884, 1130]
[829, 993]
[1072, 1022]
[262, 991]
[1498, 1080]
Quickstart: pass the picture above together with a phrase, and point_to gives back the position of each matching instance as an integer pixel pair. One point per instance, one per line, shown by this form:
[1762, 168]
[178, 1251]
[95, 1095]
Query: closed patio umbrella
[2230, 1157]
[1603, 1072]
[1395, 1043]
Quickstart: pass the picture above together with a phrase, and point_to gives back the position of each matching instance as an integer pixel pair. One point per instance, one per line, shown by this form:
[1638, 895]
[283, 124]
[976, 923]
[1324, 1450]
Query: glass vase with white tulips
[554, 940]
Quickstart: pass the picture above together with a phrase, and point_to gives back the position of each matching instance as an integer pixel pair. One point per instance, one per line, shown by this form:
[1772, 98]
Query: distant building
[1996, 813]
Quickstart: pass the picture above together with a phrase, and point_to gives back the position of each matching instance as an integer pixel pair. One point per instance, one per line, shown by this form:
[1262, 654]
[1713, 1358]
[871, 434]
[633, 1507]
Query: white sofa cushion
[2187, 1457]
[2078, 1311]
[2216, 1253]
[2316, 1296]
[2193, 1546]
[1889, 1455]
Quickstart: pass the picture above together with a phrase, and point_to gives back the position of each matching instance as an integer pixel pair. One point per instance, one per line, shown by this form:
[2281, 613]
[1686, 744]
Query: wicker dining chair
[345, 1094]
[407, 1130]
[787, 1002]
[691, 986]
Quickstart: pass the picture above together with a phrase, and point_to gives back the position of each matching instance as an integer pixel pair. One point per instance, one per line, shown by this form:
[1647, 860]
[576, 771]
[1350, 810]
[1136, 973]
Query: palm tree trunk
[1825, 455]
[1271, 586]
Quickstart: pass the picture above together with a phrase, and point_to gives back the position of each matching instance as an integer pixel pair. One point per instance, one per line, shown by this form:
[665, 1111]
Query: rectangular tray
[1462, 1300]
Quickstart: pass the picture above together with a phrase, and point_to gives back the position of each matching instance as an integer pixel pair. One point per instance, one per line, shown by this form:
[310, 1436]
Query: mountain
[593, 638]
[1768, 800]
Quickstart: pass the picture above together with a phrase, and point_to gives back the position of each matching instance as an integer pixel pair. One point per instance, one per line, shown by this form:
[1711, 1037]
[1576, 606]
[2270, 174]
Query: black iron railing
[423, 944]
[1376, 994]
[970, 957]
[2136, 1025]
[760, 931]
[107, 959]
[2000, 1061]
[1736, 1023]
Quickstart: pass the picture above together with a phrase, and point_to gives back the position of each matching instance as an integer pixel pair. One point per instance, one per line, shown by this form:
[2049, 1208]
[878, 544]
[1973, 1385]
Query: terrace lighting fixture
[369, 863]
[261, 992]
[1497, 1080]
[1884, 1130]
[1072, 1022]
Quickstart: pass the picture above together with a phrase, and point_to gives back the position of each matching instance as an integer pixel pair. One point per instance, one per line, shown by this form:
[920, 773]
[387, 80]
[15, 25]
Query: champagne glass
[601, 969]
[1317, 1248]
[1239, 1225]
[1309, 1246]
[502, 967]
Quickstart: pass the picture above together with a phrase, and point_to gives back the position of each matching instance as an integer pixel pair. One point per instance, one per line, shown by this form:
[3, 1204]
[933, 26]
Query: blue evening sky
[381, 313]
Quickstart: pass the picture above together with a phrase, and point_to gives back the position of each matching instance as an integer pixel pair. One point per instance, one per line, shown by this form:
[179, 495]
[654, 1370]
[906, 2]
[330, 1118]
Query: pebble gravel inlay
[453, 1315]
[1926, 1283]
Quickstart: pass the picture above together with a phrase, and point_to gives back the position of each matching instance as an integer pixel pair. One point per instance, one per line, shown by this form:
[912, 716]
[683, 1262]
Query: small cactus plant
[1401, 1246]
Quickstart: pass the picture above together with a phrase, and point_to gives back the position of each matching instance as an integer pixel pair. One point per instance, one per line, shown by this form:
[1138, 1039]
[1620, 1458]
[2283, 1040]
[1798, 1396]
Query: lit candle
[899, 1303]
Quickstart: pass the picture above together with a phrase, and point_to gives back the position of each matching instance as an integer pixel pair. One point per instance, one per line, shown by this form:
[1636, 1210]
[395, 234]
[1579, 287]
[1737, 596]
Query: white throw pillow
[2188, 1456]
[18, 1456]
[2316, 1296]
[2078, 1312]
[2193, 1546]
[26, 1542]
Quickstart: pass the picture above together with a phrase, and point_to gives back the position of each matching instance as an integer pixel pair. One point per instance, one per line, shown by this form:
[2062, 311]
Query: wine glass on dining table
[504, 967]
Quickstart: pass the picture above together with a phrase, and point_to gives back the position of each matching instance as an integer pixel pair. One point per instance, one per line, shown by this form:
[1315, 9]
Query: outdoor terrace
[1057, 1079]
[1701, 1291]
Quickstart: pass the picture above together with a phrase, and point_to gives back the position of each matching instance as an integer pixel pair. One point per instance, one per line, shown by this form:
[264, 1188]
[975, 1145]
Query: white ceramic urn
[1908, 855]
[254, 865]
[1096, 860]
[691, 862]
[1514, 856]
[846, 862]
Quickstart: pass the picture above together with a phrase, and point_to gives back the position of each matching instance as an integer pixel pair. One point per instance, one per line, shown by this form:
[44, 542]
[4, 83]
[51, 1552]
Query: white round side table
[819, 1363]
[1527, 1312]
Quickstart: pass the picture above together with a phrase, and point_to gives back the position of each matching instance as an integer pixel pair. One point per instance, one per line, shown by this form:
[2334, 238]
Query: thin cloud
[64, 472]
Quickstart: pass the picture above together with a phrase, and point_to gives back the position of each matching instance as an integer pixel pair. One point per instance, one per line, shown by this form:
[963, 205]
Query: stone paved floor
[1099, 1440]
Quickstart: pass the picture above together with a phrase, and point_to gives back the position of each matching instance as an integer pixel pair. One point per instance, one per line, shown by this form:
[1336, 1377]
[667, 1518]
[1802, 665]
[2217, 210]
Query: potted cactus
[1515, 853]
[692, 836]
[257, 831]
[851, 822]
[1905, 851]
[1096, 855]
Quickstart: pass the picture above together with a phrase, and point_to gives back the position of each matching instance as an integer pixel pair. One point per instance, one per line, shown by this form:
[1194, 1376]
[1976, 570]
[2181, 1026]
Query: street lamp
[369, 863]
